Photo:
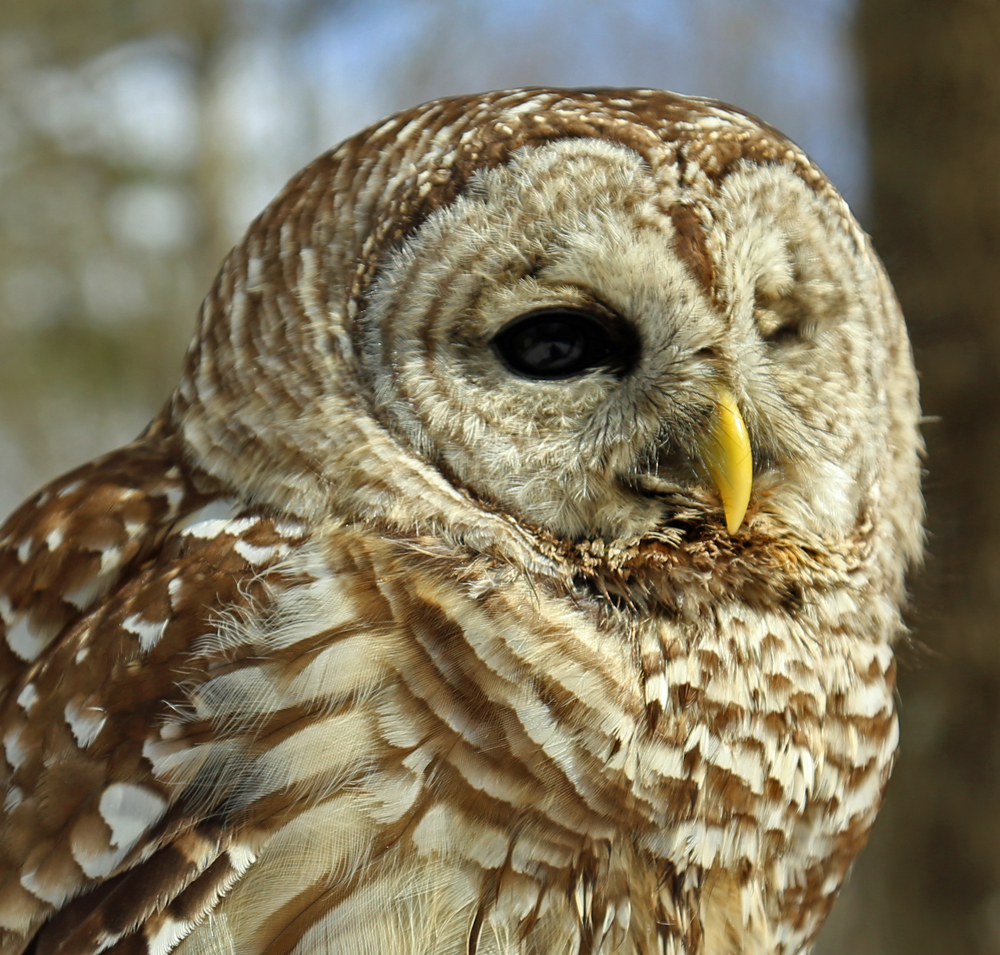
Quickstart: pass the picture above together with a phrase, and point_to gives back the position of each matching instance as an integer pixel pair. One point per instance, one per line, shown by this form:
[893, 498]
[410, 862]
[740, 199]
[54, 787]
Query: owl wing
[72, 543]
[96, 852]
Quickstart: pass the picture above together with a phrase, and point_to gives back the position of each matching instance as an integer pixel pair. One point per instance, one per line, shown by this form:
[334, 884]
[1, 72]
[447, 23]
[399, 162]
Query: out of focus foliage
[932, 73]
[130, 146]
[108, 220]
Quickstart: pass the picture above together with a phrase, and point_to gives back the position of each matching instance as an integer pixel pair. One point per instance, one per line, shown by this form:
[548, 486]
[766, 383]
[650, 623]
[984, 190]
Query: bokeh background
[139, 137]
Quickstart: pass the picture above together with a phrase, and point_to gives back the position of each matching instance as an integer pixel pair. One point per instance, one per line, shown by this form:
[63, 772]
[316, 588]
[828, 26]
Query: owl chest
[768, 742]
[751, 748]
[473, 773]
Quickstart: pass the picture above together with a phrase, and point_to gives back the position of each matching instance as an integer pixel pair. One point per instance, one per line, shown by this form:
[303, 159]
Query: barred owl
[515, 569]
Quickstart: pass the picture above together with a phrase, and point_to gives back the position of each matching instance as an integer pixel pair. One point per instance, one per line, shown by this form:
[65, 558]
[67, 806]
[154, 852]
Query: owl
[515, 569]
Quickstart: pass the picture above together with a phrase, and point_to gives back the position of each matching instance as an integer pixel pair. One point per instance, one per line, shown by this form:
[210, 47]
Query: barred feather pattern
[368, 645]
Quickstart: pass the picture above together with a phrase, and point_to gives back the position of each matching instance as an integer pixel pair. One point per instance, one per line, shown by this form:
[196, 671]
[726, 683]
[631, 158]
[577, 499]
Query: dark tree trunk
[932, 69]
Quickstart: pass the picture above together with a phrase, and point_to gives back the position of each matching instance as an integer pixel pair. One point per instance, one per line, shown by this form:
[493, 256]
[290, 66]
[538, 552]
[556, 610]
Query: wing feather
[71, 544]
[97, 852]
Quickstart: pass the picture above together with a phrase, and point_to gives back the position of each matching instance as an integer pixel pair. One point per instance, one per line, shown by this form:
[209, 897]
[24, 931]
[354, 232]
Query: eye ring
[557, 343]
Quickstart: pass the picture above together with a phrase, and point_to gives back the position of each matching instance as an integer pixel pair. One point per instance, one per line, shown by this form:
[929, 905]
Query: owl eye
[561, 342]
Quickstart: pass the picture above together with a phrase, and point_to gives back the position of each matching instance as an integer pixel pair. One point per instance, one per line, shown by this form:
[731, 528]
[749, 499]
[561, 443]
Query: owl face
[556, 340]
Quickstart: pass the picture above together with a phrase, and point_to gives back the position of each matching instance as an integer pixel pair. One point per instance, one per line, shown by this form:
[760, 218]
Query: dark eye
[561, 342]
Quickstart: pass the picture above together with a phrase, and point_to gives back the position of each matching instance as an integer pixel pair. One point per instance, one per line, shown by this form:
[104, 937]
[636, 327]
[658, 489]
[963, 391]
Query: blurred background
[139, 137]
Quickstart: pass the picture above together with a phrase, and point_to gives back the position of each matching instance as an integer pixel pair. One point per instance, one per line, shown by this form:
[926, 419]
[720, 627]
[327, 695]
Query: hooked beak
[728, 458]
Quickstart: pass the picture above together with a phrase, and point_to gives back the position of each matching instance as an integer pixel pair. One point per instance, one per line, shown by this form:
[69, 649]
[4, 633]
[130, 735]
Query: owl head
[574, 315]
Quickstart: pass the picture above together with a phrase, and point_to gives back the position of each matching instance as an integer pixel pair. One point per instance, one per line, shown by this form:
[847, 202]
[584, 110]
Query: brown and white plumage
[370, 644]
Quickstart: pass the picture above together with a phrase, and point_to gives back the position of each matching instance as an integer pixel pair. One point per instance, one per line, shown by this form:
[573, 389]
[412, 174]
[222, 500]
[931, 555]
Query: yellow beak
[729, 459]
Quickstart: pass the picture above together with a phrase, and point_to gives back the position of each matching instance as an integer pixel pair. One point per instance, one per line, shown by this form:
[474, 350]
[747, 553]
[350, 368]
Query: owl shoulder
[110, 827]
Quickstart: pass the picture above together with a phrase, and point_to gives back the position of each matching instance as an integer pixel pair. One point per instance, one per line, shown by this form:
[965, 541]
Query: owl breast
[485, 767]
